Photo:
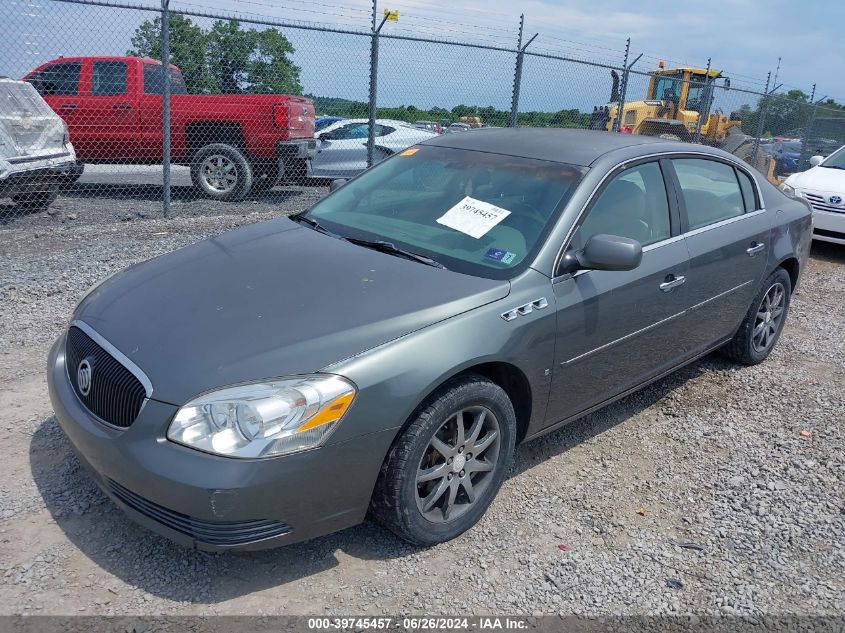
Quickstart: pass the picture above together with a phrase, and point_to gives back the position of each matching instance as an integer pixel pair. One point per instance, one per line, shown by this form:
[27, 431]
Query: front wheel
[222, 172]
[444, 470]
[764, 321]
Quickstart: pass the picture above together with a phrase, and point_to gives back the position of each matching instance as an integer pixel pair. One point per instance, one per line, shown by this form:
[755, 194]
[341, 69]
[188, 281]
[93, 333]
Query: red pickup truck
[233, 142]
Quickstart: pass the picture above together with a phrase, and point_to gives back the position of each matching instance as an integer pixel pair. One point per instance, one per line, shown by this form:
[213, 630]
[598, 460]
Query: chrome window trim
[721, 223]
[658, 155]
[117, 354]
[646, 249]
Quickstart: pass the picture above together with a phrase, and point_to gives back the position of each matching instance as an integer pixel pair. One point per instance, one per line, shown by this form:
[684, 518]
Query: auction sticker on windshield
[473, 217]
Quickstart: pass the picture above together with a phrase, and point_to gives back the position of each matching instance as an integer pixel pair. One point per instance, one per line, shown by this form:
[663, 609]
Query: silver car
[342, 149]
[35, 151]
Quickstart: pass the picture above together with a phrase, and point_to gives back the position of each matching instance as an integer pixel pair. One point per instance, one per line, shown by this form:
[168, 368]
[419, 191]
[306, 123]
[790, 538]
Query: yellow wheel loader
[676, 99]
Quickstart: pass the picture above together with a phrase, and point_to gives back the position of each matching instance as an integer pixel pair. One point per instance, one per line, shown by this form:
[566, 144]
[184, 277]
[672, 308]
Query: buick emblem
[83, 377]
[835, 199]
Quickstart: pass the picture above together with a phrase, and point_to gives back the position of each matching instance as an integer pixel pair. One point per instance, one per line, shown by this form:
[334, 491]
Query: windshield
[474, 212]
[836, 160]
[667, 87]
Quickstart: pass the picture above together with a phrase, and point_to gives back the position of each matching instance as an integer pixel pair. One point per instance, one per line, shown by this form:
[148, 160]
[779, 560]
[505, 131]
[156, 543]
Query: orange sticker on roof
[410, 151]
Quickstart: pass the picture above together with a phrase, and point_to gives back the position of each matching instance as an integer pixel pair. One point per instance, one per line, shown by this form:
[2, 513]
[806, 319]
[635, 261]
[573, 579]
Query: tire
[756, 337]
[296, 172]
[74, 174]
[222, 172]
[266, 177]
[36, 201]
[419, 511]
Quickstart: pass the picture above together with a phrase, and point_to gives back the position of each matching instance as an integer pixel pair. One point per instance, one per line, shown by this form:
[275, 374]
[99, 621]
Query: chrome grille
[820, 203]
[115, 394]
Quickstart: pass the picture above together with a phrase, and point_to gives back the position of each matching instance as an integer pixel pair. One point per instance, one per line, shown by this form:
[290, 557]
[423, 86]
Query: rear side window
[747, 191]
[108, 78]
[59, 79]
[154, 81]
[710, 190]
[633, 205]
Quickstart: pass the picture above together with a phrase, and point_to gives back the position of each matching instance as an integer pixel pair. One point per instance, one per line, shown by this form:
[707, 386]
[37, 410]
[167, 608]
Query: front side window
[351, 131]
[108, 78]
[633, 205]
[59, 79]
[474, 212]
[710, 190]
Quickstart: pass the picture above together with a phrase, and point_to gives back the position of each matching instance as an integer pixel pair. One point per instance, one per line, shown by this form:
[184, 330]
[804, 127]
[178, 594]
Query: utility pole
[371, 106]
[165, 106]
[517, 74]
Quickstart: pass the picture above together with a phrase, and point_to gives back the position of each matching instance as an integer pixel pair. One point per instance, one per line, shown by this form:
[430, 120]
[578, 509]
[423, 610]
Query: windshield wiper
[392, 249]
[299, 217]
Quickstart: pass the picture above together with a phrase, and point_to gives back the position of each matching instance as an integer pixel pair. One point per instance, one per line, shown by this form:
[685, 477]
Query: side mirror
[604, 252]
[815, 161]
[336, 184]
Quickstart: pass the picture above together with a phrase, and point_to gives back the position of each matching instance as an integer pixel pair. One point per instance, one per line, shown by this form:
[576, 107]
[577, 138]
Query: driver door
[618, 329]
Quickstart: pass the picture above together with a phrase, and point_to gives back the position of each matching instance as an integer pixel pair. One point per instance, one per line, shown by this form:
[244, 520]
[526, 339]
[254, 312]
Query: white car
[342, 146]
[823, 186]
[36, 155]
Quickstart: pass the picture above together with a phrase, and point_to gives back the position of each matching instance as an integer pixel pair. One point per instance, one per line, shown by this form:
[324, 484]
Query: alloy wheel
[458, 463]
[769, 317]
[219, 173]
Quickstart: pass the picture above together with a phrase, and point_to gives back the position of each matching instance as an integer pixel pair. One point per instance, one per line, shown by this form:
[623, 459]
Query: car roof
[575, 147]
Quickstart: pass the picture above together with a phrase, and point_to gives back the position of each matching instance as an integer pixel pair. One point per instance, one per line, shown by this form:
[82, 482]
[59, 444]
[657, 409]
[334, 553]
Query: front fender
[395, 378]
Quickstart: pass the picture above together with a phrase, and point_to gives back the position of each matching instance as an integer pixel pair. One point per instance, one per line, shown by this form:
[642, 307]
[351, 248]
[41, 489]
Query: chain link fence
[257, 110]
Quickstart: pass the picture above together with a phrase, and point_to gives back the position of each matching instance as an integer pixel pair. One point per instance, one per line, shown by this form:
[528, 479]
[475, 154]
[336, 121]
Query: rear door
[59, 84]
[110, 126]
[618, 329]
[727, 234]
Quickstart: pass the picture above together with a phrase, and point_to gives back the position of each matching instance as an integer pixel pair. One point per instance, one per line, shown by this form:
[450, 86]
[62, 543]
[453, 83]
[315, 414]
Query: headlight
[264, 419]
[790, 191]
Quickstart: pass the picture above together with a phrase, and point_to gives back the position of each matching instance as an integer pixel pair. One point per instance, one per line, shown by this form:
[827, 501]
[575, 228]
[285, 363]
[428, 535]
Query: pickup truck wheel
[222, 172]
[35, 201]
[446, 467]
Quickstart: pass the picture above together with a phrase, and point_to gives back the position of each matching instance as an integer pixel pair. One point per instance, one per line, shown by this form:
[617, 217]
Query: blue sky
[744, 37]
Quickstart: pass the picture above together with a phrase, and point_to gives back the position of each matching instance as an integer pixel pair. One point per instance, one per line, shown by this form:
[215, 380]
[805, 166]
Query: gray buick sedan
[382, 353]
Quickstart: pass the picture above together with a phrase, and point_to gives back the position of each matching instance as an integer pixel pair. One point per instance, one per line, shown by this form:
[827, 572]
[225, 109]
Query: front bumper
[829, 226]
[216, 503]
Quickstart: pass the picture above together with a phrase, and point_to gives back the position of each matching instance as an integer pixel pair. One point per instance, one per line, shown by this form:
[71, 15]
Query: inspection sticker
[500, 255]
[410, 151]
[473, 217]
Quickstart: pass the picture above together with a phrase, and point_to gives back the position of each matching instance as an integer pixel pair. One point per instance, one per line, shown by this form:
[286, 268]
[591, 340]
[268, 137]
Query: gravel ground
[718, 490]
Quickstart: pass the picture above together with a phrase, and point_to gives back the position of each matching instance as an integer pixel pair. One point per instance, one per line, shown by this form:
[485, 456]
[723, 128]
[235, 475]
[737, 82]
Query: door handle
[672, 282]
[68, 106]
[121, 106]
[755, 248]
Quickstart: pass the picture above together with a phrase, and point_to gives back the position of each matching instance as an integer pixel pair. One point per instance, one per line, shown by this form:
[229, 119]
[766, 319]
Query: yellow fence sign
[391, 16]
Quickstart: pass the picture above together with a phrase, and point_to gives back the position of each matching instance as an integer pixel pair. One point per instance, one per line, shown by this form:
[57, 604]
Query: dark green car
[382, 353]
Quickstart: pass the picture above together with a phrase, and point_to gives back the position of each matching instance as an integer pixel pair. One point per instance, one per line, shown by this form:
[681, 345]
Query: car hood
[268, 300]
[821, 179]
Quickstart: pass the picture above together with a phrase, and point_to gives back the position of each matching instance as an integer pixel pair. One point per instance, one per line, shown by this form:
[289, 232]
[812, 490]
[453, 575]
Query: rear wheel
[447, 466]
[222, 172]
[35, 201]
[764, 321]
